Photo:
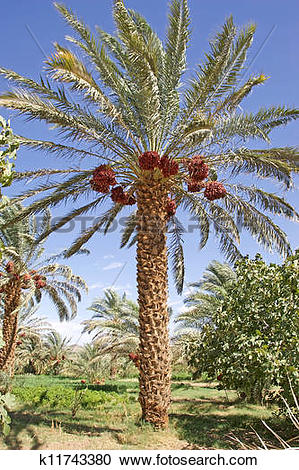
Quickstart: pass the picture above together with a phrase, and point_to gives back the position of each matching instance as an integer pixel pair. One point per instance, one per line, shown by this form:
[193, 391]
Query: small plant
[77, 403]
[7, 402]
[291, 407]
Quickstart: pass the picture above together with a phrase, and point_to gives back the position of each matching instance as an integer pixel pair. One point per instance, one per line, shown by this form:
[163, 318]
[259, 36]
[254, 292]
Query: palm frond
[73, 214]
[260, 226]
[266, 201]
[64, 151]
[73, 190]
[143, 70]
[231, 102]
[278, 163]
[178, 36]
[102, 223]
[176, 253]
[131, 224]
[80, 126]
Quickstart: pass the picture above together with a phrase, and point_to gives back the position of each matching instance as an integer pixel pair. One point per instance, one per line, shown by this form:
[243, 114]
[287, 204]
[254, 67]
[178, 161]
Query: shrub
[253, 343]
[59, 397]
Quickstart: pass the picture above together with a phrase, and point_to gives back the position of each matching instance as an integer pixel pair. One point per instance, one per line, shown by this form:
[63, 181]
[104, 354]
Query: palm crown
[130, 102]
[23, 259]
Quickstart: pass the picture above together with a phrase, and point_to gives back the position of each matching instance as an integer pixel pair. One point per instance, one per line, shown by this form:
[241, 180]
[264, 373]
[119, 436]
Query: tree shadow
[25, 421]
[19, 425]
[73, 426]
[210, 431]
[212, 401]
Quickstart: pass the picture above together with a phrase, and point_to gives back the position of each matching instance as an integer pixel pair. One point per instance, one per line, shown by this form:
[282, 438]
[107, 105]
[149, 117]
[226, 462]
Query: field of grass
[201, 417]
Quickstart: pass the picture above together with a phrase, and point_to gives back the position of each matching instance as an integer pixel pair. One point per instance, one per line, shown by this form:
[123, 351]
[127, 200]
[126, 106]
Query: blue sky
[274, 53]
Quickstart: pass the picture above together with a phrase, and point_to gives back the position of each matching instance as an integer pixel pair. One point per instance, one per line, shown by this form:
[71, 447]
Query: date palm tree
[57, 349]
[29, 353]
[204, 298]
[25, 275]
[137, 126]
[115, 319]
[92, 361]
[31, 356]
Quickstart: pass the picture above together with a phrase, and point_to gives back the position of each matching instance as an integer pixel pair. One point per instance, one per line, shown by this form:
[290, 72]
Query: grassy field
[201, 417]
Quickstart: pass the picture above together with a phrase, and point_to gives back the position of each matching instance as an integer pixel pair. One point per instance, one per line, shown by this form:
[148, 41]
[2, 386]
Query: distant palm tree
[159, 141]
[58, 350]
[30, 324]
[25, 275]
[205, 299]
[115, 319]
[31, 356]
[91, 361]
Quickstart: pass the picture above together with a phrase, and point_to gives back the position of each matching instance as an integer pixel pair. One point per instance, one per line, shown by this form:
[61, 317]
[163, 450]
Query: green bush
[181, 375]
[59, 397]
[252, 345]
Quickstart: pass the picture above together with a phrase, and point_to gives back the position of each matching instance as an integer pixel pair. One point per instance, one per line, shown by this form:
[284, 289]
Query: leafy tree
[132, 110]
[25, 275]
[253, 344]
[9, 145]
[7, 400]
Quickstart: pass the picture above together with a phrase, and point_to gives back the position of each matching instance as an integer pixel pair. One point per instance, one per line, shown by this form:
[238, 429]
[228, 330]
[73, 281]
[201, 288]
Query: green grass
[200, 417]
[30, 380]
[53, 380]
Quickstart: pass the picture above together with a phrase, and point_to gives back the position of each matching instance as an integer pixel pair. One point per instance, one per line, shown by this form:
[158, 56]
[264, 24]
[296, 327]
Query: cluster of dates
[151, 160]
[38, 279]
[103, 178]
[198, 172]
[135, 359]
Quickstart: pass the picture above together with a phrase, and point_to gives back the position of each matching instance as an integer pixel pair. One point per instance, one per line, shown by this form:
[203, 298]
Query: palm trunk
[154, 348]
[10, 326]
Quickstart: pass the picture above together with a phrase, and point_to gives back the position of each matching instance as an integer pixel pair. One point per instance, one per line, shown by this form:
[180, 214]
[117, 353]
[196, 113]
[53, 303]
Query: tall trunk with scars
[10, 325]
[154, 347]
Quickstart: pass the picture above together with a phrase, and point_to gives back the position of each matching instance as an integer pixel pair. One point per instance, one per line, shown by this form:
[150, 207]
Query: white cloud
[127, 288]
[108, 257]
[122, 289]
[114, 265]
[97, 285]
[72, 329]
